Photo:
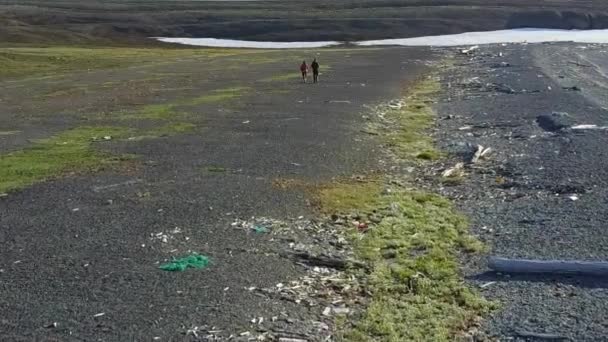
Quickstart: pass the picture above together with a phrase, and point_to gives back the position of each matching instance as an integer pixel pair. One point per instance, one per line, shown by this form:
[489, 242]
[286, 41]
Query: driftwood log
[591, 268]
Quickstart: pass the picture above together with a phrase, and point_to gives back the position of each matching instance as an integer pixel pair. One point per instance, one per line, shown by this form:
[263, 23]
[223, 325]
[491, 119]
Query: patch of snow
[525, 35]
[230, 43]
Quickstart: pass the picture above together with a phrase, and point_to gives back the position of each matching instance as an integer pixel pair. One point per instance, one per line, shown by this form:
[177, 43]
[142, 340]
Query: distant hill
[120, 22]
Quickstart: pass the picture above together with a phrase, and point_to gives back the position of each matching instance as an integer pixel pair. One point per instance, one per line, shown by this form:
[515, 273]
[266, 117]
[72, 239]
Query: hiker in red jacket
[304, 70]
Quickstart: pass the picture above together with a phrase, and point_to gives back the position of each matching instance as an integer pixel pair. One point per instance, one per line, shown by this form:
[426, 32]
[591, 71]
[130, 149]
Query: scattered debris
[573, 197]
[194, 261]
[289, 339]
[469, 50]
[369, 132]
[480, 152]
[339, 101]
[246, 121]
[573, 88]
[396, 104]
[483, 286]
[260, 229]
[193, 331]
[453, 171]
[579, 64]
[52, 325]
[99, 314]
[500, 88]
[117, 185]
[326, 261]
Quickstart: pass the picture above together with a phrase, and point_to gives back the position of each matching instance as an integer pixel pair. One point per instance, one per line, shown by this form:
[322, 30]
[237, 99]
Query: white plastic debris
[469, 50]
[453, 170]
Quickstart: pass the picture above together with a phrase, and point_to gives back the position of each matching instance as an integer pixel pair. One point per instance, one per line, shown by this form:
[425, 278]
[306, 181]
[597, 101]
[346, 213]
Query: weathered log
[504, 265]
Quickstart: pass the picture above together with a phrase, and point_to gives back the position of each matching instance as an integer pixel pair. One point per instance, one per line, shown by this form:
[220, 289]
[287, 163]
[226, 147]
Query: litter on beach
[191, 261]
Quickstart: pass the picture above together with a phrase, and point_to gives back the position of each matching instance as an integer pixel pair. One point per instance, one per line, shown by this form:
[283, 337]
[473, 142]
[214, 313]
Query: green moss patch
[417, 291]
[348, 196]
[218, 95]
[164, 131]
[153, 112]
[69, 151]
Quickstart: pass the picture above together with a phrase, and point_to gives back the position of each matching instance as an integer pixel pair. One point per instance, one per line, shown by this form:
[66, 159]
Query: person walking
[315, 71]
[304, 70]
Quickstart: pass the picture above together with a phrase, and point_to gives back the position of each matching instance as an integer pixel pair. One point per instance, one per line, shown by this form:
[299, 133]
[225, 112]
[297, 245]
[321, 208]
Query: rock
[501, 65]
[289, 339]
[555, 121]
[52, 325]
[341, 311]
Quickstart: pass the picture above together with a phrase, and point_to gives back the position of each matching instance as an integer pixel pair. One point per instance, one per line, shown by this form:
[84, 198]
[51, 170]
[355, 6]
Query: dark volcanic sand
[520, 200]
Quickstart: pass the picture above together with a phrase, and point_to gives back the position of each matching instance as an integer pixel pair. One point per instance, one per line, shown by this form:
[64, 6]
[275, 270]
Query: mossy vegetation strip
[417, 292]
[173, 111]
[28, 61]
[414, 117]
[47, 158]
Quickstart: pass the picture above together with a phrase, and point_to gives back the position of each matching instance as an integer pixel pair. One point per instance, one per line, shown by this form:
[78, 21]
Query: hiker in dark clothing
[315, 71]
[304, 70]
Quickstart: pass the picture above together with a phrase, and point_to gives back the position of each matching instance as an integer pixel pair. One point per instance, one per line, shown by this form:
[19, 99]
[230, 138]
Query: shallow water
[527, 35]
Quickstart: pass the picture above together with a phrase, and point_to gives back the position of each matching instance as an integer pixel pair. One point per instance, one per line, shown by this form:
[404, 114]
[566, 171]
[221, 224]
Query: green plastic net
[193, 260]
